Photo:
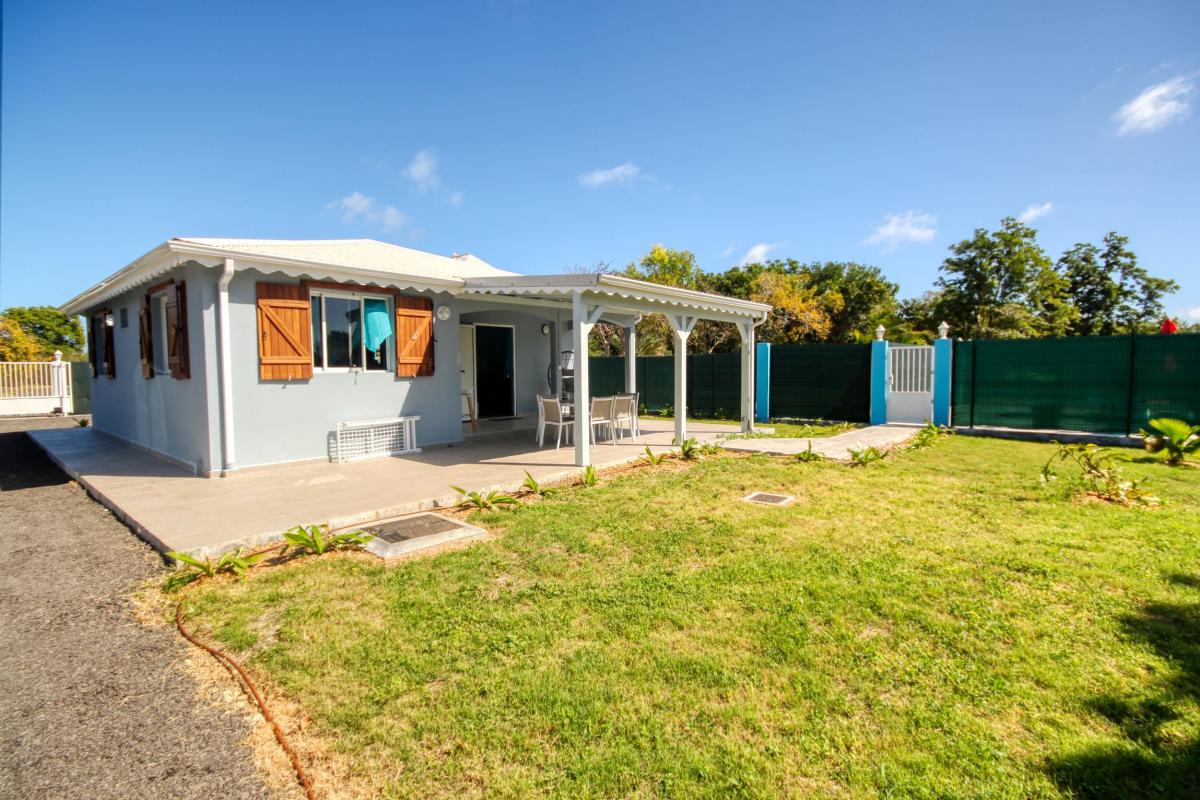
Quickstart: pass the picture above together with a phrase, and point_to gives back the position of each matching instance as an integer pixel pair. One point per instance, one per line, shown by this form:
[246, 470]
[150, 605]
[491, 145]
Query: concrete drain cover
[394, 537]
[767, 499]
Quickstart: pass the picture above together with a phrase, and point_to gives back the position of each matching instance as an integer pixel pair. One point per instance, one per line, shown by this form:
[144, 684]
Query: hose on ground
[230, 661]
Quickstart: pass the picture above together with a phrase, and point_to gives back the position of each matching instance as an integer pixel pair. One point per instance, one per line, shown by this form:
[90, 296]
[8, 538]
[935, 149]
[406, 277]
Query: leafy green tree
[856, 297]
[15, 343]
[1111, 293]
[49, 328]
[998, 284]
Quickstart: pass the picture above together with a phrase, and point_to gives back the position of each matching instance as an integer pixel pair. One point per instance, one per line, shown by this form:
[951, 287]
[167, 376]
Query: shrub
[652, 459]
[1176, 437]
[808, 455]
[193, 569]
[1099, 475]
[928, 436]
[589, 475]
[861, 456]
[531, 485]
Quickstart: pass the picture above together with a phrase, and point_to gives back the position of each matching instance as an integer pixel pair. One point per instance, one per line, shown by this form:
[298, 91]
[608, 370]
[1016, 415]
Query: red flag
[1168, 326]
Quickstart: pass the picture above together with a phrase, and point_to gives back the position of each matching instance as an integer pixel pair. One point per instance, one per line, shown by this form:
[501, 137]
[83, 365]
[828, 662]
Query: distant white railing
[911, 368]
[35, 387]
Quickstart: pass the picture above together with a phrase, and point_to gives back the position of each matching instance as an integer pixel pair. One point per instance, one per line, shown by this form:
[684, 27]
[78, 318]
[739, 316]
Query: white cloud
[1193, 314]
[358, 207]
[613, 176]
[1156, 107]
[455, 199]
[1036, 211]
[728, 251]
[911, 227]
[423, 170]
[757, 253]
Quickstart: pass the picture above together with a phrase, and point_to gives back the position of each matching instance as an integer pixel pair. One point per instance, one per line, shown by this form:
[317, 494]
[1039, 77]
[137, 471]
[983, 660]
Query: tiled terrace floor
[175, 510]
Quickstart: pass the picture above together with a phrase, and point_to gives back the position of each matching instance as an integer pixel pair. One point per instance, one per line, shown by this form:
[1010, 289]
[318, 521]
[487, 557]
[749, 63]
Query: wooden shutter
[414, 336]
[146, 338]
[284, 332]
[177, 330]
[91, 346]
[110, 353]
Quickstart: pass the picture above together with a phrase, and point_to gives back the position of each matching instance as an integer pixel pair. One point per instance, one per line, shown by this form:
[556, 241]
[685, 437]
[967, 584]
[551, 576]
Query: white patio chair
[551, 413]
[625, 415]
[602, 415]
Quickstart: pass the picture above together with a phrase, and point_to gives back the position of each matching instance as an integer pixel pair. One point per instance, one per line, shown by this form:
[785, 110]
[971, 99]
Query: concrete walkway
[174, 510]
[837, 448]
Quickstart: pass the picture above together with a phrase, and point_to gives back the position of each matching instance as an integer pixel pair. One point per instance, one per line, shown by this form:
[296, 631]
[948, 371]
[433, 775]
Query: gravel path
[92, 704]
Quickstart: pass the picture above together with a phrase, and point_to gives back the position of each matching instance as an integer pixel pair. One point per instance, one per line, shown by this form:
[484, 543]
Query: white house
[222, 354]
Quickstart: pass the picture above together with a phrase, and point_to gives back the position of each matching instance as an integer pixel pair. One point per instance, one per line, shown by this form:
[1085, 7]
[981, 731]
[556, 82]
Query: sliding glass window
[352, 331]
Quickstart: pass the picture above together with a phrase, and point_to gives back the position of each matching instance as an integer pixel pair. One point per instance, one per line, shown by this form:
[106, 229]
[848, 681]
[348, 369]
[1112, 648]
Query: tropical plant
[315, 539]
[809, 456]
[928, 436]
[484, 501]
[531, 485]
[589, 475]
[193, 569]
[1176, 437]
[689, 449]
[1099, 475]
[861, 456]
[667, 411]
[83, 422]
[652, 459]
[709, 448]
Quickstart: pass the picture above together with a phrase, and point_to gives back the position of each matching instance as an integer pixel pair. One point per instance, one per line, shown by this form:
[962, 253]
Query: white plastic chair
[602, 415]
[625, 415]
[550, 413]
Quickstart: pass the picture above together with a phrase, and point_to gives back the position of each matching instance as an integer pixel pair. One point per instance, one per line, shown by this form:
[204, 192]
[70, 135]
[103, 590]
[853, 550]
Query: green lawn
[937, 625]
[780, 430]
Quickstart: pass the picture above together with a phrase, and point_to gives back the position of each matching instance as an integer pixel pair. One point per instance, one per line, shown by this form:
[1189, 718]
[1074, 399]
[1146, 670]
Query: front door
[910, 378]
[495, 375]
[466, 365]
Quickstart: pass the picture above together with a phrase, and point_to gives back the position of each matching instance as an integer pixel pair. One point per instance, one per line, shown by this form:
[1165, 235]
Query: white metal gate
[910, 383]
[35, 387]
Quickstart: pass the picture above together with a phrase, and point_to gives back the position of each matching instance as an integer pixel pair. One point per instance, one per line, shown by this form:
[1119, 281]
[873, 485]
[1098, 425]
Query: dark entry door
[494, 358]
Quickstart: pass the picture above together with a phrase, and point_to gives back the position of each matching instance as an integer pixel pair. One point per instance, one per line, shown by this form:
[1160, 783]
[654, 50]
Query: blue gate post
[879, 378]
[943, 354]
[762, 382]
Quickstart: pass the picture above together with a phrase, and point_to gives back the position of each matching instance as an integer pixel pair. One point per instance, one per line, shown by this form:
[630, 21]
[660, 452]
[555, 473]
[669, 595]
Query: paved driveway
[92, 704]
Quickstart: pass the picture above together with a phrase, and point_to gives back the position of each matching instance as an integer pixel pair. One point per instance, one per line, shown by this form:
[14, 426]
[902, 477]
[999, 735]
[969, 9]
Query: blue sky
[542, 135]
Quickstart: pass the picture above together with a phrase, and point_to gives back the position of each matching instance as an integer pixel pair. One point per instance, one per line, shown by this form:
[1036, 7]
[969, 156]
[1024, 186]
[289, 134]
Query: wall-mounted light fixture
[443, 313]
[545, 329]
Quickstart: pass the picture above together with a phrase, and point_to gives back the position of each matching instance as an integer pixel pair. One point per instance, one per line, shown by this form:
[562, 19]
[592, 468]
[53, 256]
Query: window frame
[160, 341]
[361, 297]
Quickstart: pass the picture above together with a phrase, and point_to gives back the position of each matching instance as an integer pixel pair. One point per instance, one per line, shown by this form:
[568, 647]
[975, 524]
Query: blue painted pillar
[762, 382]
[879, 381]
[943, 355]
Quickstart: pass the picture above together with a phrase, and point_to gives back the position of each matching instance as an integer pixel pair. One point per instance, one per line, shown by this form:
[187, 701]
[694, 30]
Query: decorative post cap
[944, 330]
[58, 355]
[879, 332]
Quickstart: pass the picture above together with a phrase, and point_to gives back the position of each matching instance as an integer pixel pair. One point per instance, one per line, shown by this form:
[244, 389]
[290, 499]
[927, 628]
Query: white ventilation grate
[376, 438]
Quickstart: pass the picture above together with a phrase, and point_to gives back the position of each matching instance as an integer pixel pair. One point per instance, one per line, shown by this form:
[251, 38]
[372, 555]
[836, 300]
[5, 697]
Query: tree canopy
[49, 329]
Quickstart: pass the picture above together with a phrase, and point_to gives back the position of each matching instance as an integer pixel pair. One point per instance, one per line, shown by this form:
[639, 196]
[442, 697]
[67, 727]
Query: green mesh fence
[1095, 384]
[821, 381]
[713, 390]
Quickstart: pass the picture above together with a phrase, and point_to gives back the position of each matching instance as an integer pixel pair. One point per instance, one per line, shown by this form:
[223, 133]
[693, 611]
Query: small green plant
[928, 436]
[484, 501]
[862, 456]
[531, 485]
[589, 475]
[83, 422]
[709, 448]
[667, 411]
[315, 539]
[808, 456]
[1176, 437]
[652, 459]
[1099, 475]
[193, 569]
[689, 449]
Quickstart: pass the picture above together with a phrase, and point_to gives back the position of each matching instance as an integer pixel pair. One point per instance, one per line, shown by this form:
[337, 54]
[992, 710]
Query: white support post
[583, 403]
[746, 329]
[682, 326]
[631, 360]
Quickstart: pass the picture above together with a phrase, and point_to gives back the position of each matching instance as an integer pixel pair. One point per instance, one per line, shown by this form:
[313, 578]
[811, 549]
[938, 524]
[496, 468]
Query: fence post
[943, 355]
[879, 378]
[1129, 397]
[762, 382]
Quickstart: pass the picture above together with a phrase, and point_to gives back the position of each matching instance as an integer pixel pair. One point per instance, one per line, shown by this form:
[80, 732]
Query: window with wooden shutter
[414, 337]
[284, 332]
[110, 353]
[91, 346]
[177, 331]
[146, 338]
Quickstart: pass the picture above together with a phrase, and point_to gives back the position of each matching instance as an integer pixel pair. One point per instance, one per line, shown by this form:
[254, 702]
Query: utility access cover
[768, 499]
[401, 535]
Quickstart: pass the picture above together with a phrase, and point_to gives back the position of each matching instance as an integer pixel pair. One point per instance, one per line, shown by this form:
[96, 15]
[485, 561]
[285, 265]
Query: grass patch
[782, 429]
[939, 625]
